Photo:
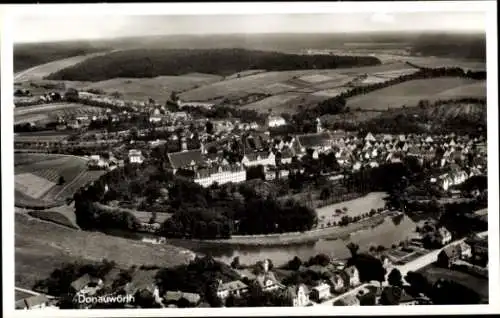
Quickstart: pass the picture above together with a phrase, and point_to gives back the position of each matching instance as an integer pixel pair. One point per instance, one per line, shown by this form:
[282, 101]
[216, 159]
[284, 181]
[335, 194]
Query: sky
[62, 28]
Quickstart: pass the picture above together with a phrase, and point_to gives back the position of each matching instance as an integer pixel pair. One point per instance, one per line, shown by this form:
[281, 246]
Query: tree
[61, 180]
[236, 262]
[209, 127]
[353, 248]
[71, 95]
[294, 264]
[325, 193]
[173, 96]
[391, 296]
[418, 283]
[395, 279]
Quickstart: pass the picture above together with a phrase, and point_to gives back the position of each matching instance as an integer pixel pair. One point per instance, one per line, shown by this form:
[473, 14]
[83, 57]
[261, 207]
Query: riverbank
[331, 233]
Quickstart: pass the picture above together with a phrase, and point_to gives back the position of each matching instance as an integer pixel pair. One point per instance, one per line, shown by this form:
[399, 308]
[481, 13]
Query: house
[339, 281]
[266, 280]
[185, 159]
[34, 302]
[135, 156]
[321, 142]
[234, 288]
[175, 297]
[275, 121]
[265, 158]
[86, 285]
[320, 292]
[449, 254]
[299, 295]
[206, 105]
[466, 250]
[443, 235]
[220, 174]
[353, 274]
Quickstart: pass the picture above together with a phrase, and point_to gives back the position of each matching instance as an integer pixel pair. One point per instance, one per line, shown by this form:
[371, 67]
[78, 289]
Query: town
[294, 180]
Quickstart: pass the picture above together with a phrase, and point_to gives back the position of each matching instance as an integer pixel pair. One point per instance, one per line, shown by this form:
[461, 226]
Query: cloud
[382, 18]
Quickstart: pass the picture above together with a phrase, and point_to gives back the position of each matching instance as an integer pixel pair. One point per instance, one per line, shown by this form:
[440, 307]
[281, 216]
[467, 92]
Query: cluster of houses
[464, 254]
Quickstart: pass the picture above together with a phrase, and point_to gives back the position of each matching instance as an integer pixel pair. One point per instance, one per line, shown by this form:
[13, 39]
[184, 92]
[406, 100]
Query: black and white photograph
[200, 159]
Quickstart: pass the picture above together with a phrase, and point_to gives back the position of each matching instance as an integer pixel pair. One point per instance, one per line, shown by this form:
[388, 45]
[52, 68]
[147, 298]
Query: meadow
[37, 181]
[356, 207]
[41, 247]
[43, 70]
[409, 93]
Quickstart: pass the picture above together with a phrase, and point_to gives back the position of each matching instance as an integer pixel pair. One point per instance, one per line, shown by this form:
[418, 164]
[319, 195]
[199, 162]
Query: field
[46, 111]
[273, 102]
[158, 88]
[40, 71]
[38, 179]
[354, 207]
[479, 285]
[270, 83]
[409, 93]
[49, 136]
[54, 217]
[332, 92]
[41, 247]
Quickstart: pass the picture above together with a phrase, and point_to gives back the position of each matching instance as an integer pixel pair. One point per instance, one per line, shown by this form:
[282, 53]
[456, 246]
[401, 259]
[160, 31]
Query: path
[31, 292]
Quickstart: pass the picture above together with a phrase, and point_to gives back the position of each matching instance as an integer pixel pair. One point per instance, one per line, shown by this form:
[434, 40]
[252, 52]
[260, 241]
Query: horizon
[47, 29]
[379, 33]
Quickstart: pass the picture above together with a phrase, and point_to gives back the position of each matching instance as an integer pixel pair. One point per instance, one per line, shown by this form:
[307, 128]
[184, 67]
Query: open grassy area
[158, 88]
[38, 178]
[40, 247]
[40, 71]
[354, 207]
[54, 217]
[478, 284]
[409, 93]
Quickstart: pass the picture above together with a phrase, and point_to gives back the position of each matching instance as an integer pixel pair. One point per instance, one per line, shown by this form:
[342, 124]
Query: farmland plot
[272, 102]
[408, 93]
[257, 83]
[332, 92]
[158, 88]
[315, 78]
[32, 185]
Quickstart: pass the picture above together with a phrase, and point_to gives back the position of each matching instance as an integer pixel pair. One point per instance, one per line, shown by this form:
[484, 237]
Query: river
[391, 230]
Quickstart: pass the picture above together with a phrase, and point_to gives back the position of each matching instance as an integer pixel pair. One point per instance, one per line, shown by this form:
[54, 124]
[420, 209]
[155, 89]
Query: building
[353, 274]
[34, 302]
[86, 285]
[449, 254]
[135, 156]
[320, 142]
[176, 297]
[189, 159]
[275, 121]
[266, 280]
[443, 236]
[298, 295]
[220, 174]
[234, 288]
[264, 158]
[320, 292]
[206, 105]
[339, 281]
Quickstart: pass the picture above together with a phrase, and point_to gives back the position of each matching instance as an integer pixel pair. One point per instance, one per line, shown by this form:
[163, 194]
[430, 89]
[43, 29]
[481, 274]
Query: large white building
[275, 121]
[220, 175]
[265, 158]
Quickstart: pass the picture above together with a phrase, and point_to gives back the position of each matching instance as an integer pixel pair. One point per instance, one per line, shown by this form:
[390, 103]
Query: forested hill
[472, 46]
[156, 62]
[32, 54]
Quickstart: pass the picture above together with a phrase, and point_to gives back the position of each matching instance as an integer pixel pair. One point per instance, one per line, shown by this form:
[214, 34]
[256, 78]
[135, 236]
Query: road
[412, 266]
[27, 291]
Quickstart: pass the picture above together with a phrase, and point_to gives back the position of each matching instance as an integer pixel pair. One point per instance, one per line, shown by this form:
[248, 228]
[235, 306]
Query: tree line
[138, 63]
[337, 104]
[197, 212]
